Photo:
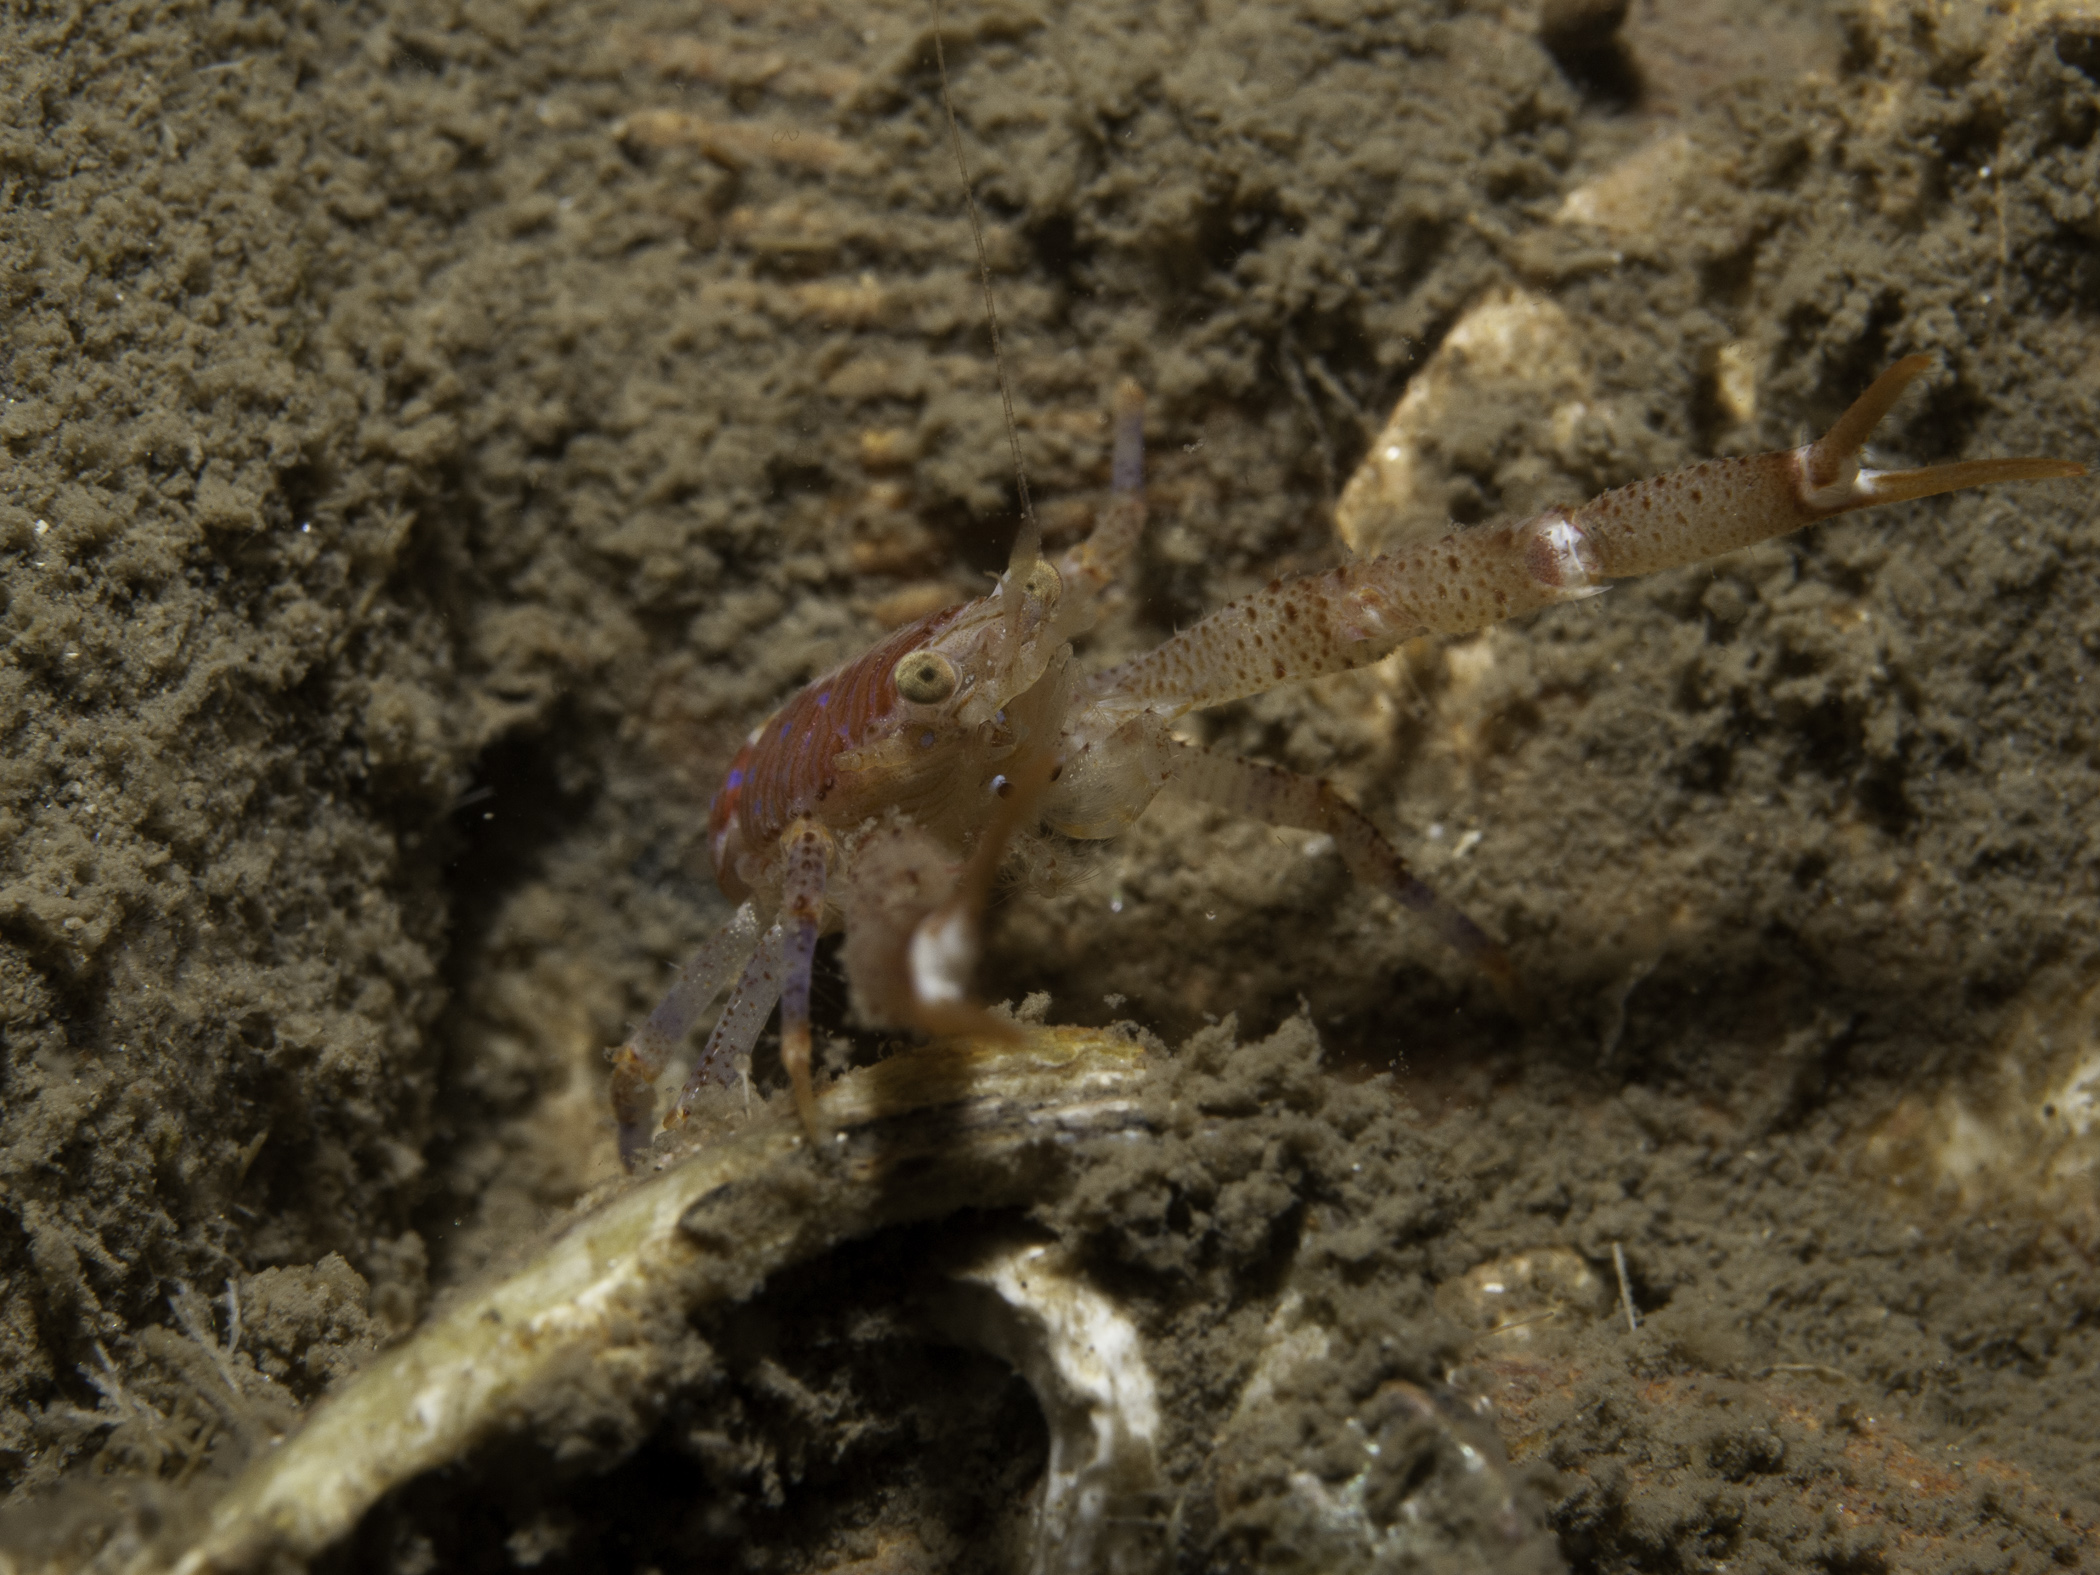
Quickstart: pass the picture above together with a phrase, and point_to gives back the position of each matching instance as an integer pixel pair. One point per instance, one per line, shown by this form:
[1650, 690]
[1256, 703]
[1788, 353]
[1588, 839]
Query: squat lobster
[884, 794]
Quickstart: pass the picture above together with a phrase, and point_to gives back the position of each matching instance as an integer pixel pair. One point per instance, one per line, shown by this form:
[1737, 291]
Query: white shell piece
[1085, 1361]
[1289, 1342]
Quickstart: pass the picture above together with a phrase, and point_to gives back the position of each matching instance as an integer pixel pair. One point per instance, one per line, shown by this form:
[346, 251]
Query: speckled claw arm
[1354, 615]
[1709, 509]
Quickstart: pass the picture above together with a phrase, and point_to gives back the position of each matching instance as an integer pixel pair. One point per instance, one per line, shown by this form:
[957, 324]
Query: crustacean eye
[926, 677]
[1044, 584]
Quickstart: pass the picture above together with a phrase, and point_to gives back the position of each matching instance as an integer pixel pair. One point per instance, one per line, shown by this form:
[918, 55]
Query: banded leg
[743, 1019]
[1278, 797]
[809, 854]
[640, 1061]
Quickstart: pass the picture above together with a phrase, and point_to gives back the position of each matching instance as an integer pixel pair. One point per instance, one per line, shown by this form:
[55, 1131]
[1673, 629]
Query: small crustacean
[883, 795]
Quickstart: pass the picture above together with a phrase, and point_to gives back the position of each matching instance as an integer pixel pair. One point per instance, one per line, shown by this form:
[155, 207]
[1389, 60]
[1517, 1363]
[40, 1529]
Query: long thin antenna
[1028, 540]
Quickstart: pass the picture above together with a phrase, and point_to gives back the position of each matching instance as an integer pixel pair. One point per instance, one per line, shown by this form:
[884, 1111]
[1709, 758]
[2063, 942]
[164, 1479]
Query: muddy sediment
[434, 439]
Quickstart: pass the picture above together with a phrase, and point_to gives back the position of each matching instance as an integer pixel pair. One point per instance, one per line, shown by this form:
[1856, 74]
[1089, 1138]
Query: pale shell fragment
[917, 1137]
[1085, 1360]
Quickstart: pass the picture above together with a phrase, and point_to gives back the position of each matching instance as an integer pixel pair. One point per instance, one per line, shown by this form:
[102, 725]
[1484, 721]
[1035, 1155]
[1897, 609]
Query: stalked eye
[1043, 583]
[926, 677]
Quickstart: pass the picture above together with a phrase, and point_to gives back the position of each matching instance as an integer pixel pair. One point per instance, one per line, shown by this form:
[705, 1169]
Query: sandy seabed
[435, 435]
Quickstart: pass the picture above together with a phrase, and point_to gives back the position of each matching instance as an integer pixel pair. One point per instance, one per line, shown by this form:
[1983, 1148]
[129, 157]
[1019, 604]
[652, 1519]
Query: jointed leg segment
[1277, 797]
[809, 855]
[1099, 561]
[638, 1063]
[743, 1019]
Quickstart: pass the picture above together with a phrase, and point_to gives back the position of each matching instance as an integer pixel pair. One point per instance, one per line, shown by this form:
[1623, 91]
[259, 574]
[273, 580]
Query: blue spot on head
[926, 739]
